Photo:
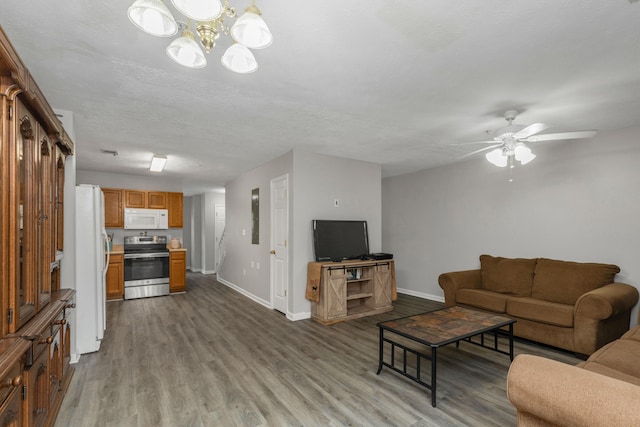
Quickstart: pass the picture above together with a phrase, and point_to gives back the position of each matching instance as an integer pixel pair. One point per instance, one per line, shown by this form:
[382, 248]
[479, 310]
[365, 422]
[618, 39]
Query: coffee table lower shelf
[437, 329]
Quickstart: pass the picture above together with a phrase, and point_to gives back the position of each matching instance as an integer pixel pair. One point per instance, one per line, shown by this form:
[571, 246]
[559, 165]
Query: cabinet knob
[72, 305]
[47, 340]
[273, 252]
[15, 382]
[60, 322]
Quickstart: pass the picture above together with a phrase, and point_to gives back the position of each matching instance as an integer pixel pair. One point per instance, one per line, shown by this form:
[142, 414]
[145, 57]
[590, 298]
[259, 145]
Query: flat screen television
[336, 240]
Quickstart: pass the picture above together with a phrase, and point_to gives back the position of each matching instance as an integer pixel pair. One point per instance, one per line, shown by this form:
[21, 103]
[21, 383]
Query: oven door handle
[150, 255]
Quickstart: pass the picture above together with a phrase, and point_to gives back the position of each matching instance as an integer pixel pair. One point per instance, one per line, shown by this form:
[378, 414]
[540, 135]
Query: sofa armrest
[607, 301]
[546, 392]
[451, 282]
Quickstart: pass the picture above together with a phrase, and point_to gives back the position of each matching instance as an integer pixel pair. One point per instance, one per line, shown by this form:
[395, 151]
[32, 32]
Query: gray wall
[577, 201]
[315, 181]
[319, 181]
[188, 228]
[134, 182]
[239, 268]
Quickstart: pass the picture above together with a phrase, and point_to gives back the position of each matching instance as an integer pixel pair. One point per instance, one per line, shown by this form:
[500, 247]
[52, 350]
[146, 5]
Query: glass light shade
[239, 59]
[200, 10]
[152, 17]
[251, 30]
[497, 157]
[186, 52]
[523, 154]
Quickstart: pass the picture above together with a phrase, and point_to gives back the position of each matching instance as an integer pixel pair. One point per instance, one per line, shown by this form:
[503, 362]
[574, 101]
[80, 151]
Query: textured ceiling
[396, 83]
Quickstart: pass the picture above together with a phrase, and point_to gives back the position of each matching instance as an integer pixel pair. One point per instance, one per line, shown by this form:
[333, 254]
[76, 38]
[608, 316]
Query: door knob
[273, 252]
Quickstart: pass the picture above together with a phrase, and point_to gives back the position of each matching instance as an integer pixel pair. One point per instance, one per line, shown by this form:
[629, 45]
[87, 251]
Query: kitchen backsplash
[118, 234]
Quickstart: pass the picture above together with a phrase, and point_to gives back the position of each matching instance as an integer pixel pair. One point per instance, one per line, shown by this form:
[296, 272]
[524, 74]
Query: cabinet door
[36, 378]
[135, 199]
[156, 200]
[23, 221]
[113, 210]
[175, 204]
[115, 277]
[59, 200]
[45, 217]
[11, 396]
[177, 271]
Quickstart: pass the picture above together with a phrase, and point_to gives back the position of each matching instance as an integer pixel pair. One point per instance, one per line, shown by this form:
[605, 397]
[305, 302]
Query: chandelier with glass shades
[248, 32]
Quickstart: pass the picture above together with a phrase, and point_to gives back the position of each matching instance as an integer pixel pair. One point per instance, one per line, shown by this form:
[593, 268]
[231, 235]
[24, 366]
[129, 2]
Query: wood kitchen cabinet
[33, 149]
[175, 204]
[113, 208]
[135, 199]
[156, 200]
[177, 271]
[115, 277]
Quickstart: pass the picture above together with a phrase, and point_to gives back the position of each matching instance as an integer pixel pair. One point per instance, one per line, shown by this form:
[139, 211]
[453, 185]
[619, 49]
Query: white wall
[577, 201]
[211, 199]
[319, 181]
[315, 181]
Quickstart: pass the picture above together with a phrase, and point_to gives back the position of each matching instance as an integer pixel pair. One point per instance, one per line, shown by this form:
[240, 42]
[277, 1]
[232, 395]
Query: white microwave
[146, 219]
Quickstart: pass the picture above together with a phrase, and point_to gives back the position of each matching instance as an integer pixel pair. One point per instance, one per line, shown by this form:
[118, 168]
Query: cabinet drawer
[11, 381]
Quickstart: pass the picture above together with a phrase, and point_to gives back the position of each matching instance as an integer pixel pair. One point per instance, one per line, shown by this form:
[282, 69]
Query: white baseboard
[75, 358]
[422, 295]
[195, 270]
[208, 271]
[246, 294]
[299, 316]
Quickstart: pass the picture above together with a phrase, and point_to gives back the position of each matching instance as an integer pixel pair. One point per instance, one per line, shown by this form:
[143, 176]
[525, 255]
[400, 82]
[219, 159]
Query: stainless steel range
[146, 266]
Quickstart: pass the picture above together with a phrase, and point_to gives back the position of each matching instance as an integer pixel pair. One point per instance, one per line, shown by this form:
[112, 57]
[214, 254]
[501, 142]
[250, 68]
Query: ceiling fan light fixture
[152, 17]
[497, 157]
[523, 154]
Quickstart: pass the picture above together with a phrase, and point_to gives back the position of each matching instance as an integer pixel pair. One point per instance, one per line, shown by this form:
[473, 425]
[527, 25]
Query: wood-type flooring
[213, 357]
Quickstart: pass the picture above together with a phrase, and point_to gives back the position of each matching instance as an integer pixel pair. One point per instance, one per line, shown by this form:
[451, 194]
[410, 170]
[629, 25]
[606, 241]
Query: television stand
[353, 289]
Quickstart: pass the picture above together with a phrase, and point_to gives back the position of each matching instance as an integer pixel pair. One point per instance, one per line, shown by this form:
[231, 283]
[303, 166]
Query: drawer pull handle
[72, 305]
[60, 322]
[15, 382]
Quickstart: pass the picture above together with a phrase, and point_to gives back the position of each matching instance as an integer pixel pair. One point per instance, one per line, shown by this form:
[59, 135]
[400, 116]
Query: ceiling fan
[509, 142]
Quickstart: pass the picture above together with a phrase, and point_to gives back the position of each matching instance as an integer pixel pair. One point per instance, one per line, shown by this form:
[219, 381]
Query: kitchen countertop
[176, 249]
[117, 250]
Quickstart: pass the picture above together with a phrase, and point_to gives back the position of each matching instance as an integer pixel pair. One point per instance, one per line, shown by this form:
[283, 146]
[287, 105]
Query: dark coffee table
[436, 329]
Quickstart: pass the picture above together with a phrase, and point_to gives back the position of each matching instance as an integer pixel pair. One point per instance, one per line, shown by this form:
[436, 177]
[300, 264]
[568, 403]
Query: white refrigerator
[91, 268]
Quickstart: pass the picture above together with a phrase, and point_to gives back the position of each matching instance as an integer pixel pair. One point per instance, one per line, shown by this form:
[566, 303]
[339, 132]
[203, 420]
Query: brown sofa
[604, 391]
[570, 305]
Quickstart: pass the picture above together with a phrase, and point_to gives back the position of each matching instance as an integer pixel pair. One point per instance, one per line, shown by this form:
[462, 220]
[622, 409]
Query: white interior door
[279, 236]
[219, 229]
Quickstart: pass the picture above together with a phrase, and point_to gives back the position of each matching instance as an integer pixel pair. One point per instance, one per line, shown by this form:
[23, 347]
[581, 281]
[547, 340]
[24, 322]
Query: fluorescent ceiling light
[157, 163]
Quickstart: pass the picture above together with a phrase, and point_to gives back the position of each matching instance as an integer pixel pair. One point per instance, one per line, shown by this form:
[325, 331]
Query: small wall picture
[255, 216]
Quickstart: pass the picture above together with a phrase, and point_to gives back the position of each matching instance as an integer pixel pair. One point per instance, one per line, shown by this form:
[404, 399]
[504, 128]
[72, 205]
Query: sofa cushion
[564, 281]
[621, 355]
[480, 298]
[541, 311]
[507, 275]
[632, 334]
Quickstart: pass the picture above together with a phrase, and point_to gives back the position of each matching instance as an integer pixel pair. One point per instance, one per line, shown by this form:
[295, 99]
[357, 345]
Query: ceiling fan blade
[530, 130]
[562, 135]
[481, 150]
[477, 142]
